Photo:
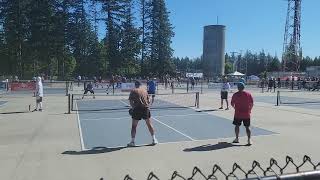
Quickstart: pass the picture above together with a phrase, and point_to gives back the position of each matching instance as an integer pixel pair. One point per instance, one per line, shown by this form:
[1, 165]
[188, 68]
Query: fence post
[187, 86]
[197, 100]
[71, 102]
[69, 99]
[67, 87]
[157, 85]
[278, 98]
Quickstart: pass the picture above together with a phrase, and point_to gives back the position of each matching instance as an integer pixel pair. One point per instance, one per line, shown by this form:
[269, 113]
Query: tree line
[249, 63]
[60, 38]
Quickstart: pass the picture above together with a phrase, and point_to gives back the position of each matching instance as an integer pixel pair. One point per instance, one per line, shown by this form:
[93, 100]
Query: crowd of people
[308, 83]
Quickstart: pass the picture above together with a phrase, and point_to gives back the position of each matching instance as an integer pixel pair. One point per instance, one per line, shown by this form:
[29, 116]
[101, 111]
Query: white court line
[169, 127]
[80, 129]
[3, 104]
[125, 117]
[186, 141]
[173, 129]
[125, 103]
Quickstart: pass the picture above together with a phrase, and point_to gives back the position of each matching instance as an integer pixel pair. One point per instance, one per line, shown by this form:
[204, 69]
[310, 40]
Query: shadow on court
[96, 150]
[212, 147]
[101, 150]
[15, 112]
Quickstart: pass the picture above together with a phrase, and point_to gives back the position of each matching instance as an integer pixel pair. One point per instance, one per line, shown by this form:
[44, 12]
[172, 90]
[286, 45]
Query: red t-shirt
[242, 102]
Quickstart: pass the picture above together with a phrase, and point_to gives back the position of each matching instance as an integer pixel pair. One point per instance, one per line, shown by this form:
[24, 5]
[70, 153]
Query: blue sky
[251, 25]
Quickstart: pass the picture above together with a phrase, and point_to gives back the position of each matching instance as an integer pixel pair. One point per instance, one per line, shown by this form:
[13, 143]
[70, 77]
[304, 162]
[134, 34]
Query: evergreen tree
[274, 65]
[145, 12]
[14, 17]
[114, 10]
[130, 42]
[85, 45]
[161, 34]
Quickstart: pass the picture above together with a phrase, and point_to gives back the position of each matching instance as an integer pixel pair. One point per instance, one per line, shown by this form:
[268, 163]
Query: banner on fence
[126, 87]
[3, 86]
[23, 86]
[197, 75]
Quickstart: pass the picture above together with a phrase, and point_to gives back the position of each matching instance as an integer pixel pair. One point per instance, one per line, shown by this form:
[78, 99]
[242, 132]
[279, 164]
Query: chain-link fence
[273, 171]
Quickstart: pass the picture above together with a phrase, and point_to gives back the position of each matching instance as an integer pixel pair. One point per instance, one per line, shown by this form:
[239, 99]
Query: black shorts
[237, 122]
[152, 93]
[139, 113]
[224, 95]
[38, 99]
[87, 90]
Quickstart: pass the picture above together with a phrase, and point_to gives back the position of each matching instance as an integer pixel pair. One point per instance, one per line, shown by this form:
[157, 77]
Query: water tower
[214, 50]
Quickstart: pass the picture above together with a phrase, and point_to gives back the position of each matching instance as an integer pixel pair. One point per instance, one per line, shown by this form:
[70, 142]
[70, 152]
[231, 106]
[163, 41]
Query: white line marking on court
[200, 140]
[80, 129]
[124, 103]
[126, 117]
[173, 129]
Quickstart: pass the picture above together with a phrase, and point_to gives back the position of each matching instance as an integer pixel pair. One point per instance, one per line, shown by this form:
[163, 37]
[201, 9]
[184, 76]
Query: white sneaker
[154, 142]
[249, 142]
[131, 144]
[235, 140]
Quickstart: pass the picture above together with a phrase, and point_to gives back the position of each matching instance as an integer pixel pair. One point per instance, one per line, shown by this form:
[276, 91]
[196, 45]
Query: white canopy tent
[236, 73]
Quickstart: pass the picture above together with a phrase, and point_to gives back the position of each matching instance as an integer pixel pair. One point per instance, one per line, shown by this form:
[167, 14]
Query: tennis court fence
[49, 87]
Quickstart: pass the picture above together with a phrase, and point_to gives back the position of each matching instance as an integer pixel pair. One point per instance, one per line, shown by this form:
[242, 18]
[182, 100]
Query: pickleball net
[102, 102]
[298, 97]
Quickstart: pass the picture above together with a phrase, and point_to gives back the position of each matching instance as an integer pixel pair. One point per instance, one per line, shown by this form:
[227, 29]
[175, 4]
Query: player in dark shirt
[89, 88]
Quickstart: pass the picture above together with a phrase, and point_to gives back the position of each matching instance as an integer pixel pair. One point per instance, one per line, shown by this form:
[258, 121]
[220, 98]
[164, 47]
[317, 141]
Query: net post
[113, 88]
[197, 100]
[67, 87]
[172, 87]
[84, 85]
[278, 97]
[71, 102]
[69, 99]
[157, 85]
[187, 85]
[201, 86]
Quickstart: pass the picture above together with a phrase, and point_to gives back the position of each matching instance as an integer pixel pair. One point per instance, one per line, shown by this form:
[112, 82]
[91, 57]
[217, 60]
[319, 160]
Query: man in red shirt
[242, 102]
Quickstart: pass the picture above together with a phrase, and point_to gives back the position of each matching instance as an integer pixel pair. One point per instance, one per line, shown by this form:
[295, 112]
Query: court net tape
[103, 102]
[272, 172]
[298, 97]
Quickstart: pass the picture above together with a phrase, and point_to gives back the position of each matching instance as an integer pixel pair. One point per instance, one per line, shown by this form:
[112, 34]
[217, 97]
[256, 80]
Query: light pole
[235, 60]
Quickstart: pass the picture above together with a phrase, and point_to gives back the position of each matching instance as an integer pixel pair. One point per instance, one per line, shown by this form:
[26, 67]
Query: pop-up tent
[253, 78]
[236, 73]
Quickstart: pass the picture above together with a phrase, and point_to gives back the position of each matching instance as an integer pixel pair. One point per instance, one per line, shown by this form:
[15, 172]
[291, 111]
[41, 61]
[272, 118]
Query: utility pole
[234, 61]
